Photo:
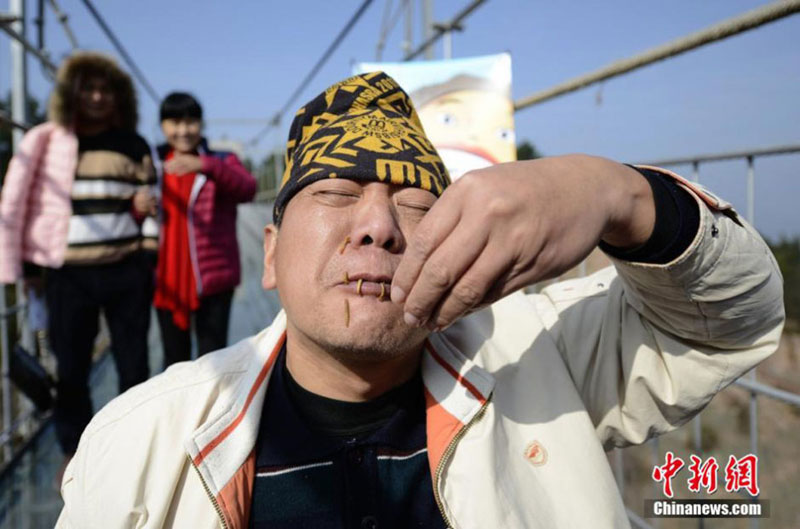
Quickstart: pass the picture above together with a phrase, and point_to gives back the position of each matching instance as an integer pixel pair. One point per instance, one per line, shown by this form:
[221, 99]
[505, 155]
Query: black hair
[180, 105]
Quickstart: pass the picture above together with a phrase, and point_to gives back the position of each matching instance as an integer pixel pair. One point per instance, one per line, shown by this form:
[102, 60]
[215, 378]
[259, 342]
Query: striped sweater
[111, 167]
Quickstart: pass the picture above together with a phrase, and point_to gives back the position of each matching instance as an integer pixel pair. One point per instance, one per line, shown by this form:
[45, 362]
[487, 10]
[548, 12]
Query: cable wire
[721, 30]
[276, 119]
[63, 19]
[121, 50]
[388, 27]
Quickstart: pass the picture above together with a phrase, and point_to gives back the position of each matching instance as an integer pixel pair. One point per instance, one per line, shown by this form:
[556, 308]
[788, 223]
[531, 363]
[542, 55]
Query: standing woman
[72, 210]
[198, 261]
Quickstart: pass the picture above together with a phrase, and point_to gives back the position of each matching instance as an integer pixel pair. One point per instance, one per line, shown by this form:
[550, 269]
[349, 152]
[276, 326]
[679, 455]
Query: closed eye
[424, 208]
[336, 192]
[335, 197]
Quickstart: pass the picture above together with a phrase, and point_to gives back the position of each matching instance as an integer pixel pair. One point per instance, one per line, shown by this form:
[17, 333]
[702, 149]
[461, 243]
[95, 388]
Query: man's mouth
[366, 284]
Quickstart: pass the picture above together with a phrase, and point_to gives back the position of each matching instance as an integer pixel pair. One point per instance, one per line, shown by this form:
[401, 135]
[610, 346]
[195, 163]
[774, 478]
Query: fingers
[474, 289]
[175, 166]
[179, 165]
[428, 235]
[443, 271]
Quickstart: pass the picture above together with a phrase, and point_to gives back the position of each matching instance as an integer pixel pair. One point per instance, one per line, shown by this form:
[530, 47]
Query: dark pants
[210, 326]
[75, 295]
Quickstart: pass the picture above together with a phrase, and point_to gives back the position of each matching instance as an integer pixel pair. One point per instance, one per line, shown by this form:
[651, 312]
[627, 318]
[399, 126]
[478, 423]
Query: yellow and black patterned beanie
[363, 128]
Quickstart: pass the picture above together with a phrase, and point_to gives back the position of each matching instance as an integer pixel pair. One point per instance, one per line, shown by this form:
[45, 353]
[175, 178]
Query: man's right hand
[504, 227]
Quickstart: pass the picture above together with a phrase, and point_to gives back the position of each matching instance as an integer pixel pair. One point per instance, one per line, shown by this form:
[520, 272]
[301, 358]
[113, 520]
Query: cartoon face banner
[465, 107]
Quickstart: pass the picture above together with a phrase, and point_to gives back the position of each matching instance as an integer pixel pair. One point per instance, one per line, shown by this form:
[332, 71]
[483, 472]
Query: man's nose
[375, 224]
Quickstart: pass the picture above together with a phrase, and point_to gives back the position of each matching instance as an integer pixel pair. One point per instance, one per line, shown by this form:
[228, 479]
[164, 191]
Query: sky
[244, 59]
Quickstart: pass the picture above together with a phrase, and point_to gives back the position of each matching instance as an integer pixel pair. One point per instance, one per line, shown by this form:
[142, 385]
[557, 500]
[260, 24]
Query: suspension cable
[388, 25]
[276, 119]
[749, 20]
[121, 50]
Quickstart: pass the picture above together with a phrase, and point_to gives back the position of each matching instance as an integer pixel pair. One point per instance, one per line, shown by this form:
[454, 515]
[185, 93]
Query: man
[383, 396]
[74, 216]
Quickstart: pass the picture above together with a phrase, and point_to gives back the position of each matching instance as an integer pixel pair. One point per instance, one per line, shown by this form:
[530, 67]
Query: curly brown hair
[72, 73]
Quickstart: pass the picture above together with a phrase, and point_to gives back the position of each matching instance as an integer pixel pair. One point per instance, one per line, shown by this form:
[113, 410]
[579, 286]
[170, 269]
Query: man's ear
[268, 280]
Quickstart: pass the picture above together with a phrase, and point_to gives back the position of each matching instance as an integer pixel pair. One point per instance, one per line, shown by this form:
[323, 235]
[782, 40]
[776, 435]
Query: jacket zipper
[449, 452]
[211, 497]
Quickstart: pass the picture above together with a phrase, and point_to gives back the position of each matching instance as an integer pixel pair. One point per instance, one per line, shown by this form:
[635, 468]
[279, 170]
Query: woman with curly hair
[74, 222]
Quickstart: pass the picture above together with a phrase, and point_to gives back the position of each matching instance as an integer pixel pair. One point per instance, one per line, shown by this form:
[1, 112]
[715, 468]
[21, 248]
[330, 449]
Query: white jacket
[523, 397]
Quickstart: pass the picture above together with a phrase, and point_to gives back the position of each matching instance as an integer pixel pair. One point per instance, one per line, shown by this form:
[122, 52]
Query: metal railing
[20, 420]
[748, 381]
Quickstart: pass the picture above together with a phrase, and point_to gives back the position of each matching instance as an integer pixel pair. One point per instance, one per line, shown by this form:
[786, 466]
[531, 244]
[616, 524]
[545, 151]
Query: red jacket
[218, 189]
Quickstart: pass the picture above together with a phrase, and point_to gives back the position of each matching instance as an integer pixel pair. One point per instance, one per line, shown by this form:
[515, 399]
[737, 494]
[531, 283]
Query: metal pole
[39, 21]
[731, 155]
[447, 43]
[751, 192]
[696, 172]
[19, 97]
[409, 40]
[19, 72]
[656, 459]
[440, 29]
[15, 35]
[751, 189]
[427, 25]
[697, 428]
[5, 344]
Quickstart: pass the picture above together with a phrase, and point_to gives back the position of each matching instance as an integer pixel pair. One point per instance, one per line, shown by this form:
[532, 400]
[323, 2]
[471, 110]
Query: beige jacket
[523, 397]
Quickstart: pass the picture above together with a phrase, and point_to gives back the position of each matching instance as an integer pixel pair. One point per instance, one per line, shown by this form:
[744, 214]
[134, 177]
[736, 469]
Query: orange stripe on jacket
[441, 427]
[236, 497]
[232, 426]
[455, 374]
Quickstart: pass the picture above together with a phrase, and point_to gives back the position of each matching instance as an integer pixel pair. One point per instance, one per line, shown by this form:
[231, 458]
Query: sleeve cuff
[676, 224]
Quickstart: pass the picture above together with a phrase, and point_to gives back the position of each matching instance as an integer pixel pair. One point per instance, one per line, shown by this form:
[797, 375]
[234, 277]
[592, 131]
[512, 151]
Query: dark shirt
[328, 464]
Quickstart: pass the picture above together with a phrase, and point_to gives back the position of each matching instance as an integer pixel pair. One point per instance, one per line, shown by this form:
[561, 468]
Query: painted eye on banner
[446, 118]
[506, 135]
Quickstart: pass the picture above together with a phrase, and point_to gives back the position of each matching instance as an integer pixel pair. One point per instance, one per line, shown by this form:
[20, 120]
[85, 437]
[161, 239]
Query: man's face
[96, 101]
[317, 274]
[182, 134]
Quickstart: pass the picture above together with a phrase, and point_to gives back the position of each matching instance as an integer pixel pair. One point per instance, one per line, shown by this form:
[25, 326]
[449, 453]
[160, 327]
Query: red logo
[740, 474]
[666, 472]
[704, 475]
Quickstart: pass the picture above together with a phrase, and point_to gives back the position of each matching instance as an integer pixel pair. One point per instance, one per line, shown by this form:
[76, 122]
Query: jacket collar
[223, 448]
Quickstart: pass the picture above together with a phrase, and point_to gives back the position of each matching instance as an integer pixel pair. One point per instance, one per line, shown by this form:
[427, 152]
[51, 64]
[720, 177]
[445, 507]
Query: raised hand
[507, 226]
[182, 164]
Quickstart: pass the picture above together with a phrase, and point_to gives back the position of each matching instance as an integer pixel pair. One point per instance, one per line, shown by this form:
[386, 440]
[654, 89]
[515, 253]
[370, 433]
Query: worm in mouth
[383, 292]
[344, 244]
[346, 313]
[358, 286]
[346, 279]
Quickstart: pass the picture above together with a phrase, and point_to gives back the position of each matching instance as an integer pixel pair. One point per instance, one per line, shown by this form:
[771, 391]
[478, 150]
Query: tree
[787, 253]
[527, 151]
